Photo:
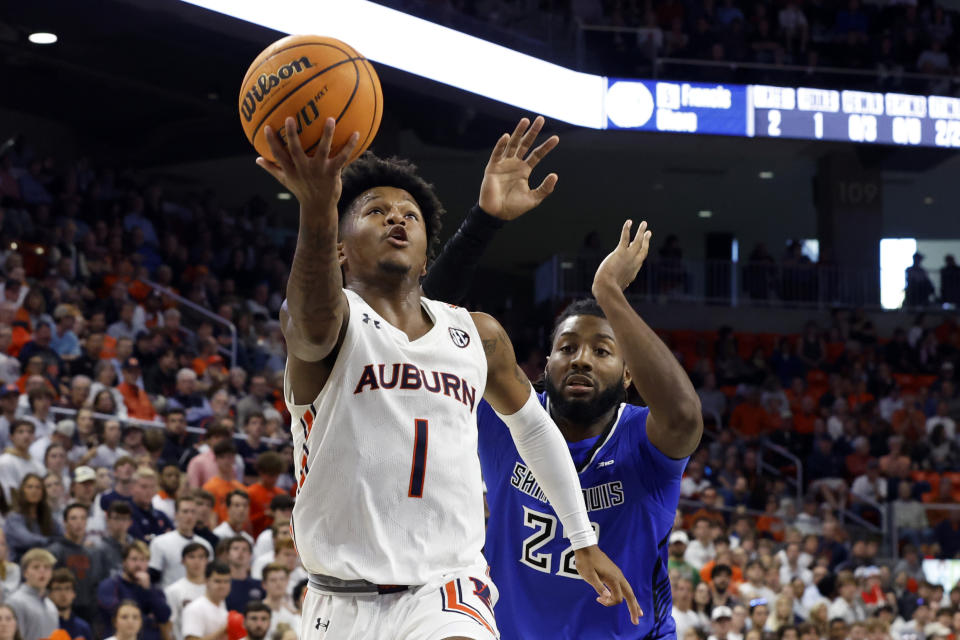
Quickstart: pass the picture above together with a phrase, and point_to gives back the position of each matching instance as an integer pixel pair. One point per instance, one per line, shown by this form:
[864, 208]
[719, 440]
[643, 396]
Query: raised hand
[620, 267]
[605, 577]
[505, 192]
[314, 180]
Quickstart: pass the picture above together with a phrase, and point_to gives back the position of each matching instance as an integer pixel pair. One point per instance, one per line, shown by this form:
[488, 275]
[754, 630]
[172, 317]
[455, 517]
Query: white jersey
[375, 502]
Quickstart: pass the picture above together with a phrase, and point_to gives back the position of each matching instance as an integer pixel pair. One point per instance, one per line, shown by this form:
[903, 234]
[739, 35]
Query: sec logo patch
[460, 337]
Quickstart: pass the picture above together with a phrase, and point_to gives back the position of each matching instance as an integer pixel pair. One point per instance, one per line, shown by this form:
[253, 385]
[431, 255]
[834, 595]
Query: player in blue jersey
[630, 460]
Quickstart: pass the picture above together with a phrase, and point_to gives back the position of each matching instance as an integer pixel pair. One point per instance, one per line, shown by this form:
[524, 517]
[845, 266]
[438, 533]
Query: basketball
[311, 78]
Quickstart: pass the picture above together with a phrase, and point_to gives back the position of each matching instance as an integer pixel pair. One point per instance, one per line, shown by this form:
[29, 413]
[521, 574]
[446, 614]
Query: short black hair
[582, 307]
[257, 605]
[721, 569]
[191, 547]
[223, 448]
[216, 567]
[368, 171]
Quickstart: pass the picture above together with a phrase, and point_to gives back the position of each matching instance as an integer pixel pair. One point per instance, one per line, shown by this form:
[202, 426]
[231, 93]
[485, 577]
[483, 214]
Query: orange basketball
[311, 78]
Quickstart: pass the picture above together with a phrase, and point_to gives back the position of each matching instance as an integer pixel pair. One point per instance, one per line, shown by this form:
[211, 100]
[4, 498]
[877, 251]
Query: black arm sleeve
[449, 277]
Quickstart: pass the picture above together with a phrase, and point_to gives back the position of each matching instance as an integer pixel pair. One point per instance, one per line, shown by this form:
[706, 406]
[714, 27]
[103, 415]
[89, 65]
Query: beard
[584, 411]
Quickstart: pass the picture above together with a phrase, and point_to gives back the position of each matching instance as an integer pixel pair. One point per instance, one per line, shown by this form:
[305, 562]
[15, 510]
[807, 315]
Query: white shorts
[459, 604]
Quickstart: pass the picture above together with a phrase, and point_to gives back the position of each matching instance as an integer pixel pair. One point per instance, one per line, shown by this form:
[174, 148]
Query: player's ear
[423, 269]
[341, 255]
[627, 378]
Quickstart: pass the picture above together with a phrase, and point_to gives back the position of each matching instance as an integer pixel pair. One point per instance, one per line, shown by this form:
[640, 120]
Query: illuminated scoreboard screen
[762, 111]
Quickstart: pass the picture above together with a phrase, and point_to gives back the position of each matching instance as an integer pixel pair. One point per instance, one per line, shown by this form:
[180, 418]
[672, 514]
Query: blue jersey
[631, 491]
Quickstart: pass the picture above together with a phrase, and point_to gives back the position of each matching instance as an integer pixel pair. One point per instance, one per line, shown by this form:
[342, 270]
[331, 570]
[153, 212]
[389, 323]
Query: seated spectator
[942, 417]
[166, 550]
[749, 420]
[693, 482]
[847, 606]
[73, 553]
[109, 452]
[63, 592]
[127, 621]
[206, 617]
[148, 522]
[121, 487]
[275, 579]
[16, 462]
[135, 398]
[108, 552]
[258, 619]
[947, 534]
[238, 517]
[133, 583]
[239, 554]
[269, 466]
[224, 481]
[36, 613]
[932, 60]
[190, 587]
[188, 398]
[253, 445]
[700, 551]
[171, 479]
[30, 523]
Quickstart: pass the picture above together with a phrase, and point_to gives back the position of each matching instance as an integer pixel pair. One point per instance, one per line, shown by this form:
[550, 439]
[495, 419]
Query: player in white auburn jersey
[383, 386]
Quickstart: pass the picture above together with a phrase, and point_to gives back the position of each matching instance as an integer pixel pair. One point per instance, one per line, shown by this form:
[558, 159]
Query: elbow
[688, 418]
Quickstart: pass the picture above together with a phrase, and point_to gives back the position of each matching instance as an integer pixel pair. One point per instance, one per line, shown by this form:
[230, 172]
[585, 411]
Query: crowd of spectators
[888, 37]
[873, 422]
[146, 476]
[146, 479]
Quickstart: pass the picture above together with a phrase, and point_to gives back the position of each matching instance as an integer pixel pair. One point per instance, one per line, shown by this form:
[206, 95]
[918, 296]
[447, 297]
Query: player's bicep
[308, 362]
[318, 341]
[507, 388]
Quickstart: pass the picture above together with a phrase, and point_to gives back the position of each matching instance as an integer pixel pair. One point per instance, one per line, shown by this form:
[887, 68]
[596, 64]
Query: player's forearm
[542, 447]
[656, 373]
[449, 277]
[314, 288]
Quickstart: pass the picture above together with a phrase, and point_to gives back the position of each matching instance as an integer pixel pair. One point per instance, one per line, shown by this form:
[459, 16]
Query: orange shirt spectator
[269, 466]
[736, 577]
[224, 453]
[748, 418]
[219, 487]
[137, 401]
[805, 420]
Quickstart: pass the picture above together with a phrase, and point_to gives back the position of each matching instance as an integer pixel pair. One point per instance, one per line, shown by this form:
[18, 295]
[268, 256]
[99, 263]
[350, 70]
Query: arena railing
[735, 284]
[153, 424]
[796, 482]
[206, 313]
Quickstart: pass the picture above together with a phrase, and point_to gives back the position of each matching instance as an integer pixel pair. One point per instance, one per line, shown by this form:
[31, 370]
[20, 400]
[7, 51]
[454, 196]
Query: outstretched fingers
[499, 148]
[530, 136]
[281, 157]
[343, 156]
[516, 137]
[632, 605]
[625, 234]
[540, 152]
[546, 187]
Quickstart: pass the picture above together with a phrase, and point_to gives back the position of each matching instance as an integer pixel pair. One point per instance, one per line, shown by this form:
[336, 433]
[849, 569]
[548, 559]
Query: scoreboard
[762, 111]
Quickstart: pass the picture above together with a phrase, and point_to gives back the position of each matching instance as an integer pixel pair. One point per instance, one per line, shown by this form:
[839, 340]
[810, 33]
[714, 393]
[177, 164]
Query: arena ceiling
[157, 80]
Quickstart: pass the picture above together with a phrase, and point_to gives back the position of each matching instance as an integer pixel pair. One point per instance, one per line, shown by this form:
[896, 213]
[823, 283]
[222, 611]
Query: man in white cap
[83, 489]
[678, 546]
[720, 623]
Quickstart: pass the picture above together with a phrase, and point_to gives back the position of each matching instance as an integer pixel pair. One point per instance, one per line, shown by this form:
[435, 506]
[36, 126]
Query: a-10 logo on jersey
[601, 496]
[382, 376]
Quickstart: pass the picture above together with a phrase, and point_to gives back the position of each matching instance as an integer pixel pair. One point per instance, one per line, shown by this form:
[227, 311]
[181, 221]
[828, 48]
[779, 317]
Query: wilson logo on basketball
[267, 81]
[460, 337]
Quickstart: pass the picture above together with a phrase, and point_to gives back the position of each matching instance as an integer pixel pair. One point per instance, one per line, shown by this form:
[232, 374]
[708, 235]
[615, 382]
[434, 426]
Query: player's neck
[400, 306]
[577, 431]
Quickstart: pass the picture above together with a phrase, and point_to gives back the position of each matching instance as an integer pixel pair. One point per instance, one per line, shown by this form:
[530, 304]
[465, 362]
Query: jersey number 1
[419, 467]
